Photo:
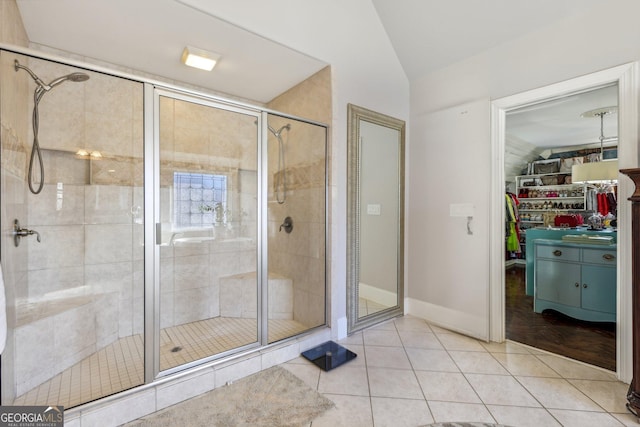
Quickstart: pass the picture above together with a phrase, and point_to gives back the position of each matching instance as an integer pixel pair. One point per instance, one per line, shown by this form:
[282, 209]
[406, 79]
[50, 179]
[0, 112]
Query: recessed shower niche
[160, 221]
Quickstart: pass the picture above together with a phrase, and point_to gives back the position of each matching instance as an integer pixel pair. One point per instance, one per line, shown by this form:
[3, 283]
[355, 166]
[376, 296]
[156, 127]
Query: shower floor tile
[120, 365]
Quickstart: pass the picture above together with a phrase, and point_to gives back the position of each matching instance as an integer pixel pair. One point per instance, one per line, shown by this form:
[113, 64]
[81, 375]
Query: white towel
[3, 314]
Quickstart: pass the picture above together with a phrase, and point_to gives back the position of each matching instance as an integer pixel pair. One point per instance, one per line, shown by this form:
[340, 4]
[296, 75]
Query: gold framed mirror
[375, 215]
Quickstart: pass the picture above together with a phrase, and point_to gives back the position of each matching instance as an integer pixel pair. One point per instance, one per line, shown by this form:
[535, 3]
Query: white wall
[600, 38]
[349, 36]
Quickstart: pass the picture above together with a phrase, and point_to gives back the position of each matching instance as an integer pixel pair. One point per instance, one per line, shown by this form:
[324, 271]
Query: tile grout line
[414, 371]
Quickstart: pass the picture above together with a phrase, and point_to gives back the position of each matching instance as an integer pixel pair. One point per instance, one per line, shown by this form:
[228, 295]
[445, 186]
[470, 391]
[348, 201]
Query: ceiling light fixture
[597, 172]
[199, 58]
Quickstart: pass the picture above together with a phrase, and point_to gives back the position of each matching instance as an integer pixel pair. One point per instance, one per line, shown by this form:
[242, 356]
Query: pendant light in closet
[603, 171]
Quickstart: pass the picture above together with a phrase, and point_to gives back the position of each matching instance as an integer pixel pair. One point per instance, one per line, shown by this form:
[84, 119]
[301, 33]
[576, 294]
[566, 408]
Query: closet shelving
[547, 193]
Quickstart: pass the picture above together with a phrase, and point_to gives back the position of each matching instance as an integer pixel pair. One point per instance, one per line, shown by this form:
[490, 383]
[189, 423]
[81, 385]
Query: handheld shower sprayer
[281, 177]
[37, 96]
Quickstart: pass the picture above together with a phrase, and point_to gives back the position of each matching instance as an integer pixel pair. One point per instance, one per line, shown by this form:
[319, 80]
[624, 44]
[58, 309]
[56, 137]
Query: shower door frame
[152, 94]
[151, 183]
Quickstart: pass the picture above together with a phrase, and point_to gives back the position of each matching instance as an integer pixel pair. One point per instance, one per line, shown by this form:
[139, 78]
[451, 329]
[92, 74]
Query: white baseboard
[377, 295]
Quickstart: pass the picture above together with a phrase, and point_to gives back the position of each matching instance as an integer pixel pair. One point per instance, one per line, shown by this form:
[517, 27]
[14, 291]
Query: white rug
[274, 397]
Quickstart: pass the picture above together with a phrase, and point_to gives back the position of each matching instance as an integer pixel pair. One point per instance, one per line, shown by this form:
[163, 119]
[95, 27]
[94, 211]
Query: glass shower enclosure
[173, 229]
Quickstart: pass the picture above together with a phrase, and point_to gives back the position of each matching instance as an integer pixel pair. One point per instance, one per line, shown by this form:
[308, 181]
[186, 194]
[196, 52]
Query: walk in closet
[561, 226]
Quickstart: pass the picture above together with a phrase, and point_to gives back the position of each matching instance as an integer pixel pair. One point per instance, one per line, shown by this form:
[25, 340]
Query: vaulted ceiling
[149, 35]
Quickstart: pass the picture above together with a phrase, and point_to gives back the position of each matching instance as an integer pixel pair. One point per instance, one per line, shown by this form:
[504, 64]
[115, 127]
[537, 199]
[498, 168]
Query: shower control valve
[19, 232]
[287, 225]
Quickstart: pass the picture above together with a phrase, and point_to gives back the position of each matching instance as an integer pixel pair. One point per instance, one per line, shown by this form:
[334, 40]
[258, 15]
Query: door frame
[626, 76]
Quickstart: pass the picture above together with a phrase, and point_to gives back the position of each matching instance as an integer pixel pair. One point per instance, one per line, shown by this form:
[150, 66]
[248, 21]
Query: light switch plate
[461, 209]
[373, 209]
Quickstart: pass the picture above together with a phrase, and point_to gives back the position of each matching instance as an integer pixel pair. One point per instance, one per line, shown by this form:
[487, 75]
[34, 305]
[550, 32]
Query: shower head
[74, 77]
[279, 131]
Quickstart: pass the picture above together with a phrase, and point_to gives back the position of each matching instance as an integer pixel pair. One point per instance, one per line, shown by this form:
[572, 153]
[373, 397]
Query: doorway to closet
[560, 252]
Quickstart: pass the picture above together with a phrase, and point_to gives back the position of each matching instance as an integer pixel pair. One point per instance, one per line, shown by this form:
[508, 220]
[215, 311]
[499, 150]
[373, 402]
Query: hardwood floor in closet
[590, 342]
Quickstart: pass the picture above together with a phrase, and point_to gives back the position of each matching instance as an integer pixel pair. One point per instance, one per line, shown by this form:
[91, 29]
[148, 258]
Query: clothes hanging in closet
[512, 231]
[602, 200]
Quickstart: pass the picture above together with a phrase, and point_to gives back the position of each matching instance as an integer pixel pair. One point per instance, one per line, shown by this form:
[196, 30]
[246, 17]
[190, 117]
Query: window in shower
[200, 199]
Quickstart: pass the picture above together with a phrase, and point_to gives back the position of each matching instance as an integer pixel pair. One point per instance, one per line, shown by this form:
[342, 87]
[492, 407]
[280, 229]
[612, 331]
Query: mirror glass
[375, 217]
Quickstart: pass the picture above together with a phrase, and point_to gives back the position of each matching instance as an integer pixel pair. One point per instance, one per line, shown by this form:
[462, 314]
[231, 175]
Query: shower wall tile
[115, 170]
[60, 246]
[187, 249]
[166, 276]
[138, 316]
[191, 272]
[110, 135]
[107, 243]
[239, 296]
[56, 206]
[108, 278]
[30, 341]
[109, 97]
[138, 278]
[192, 145]
[310, 98]
[45, 283]
[108, 204]
[280, 298]
[64, 167]
[106, 319]
[60, 112]
[14, 154]
[191, 305]
[125, 318]
[166, 310]
[229, 263]
[74, 331]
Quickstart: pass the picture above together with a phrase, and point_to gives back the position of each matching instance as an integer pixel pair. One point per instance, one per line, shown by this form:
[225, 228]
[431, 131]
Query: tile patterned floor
[410, 373]
[366, 307]
[119, 366]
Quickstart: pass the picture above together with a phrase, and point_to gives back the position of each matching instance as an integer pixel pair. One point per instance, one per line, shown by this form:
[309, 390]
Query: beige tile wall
[202, 139]
[82, 286]
[301, 254]
[13, 127]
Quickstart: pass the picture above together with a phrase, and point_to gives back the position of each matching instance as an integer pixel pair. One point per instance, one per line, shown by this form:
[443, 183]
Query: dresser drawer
[599, 256]
[558, 252]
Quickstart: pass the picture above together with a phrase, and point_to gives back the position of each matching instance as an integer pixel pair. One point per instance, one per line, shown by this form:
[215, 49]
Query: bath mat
[273, 397]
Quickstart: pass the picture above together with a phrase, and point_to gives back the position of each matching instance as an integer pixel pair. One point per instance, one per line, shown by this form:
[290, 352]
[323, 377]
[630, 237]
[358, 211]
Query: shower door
[207, 229]
[296, 230]
[74, 290]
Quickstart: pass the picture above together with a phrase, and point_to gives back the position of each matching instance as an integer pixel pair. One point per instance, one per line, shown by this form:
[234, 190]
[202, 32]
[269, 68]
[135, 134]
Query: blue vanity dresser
[534, 234]
[575, 278]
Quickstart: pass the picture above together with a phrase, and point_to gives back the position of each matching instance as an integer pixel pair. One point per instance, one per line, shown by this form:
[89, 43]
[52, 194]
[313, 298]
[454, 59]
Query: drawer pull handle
[608, 257]
[577, 285]
[557, 252]
[584, 286]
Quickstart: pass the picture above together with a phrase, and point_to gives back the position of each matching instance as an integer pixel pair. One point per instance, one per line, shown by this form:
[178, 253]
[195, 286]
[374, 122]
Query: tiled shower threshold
[119, 366]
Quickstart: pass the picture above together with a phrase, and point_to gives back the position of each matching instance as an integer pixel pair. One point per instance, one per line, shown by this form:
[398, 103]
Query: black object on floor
[329, 355]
